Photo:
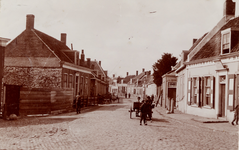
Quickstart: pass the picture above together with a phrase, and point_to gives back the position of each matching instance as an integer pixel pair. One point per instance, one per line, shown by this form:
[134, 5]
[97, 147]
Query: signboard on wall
[172, 84]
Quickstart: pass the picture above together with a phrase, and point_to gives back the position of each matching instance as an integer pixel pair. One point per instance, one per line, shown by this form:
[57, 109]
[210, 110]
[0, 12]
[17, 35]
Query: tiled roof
[55, 45]
[127, 79]
[197, 42]
[213, 47]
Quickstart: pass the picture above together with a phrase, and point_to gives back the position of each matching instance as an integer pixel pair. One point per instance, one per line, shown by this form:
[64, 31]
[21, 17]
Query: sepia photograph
[119, 74]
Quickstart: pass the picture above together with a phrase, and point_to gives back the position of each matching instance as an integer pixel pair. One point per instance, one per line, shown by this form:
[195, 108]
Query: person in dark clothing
[143, 109]
[125, 95]
[78, 103]
[129, 95]
[236, 115]
[152, 97]
[149, 108]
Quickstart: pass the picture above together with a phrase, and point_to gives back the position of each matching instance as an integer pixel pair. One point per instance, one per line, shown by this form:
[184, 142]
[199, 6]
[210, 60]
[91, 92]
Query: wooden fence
[47, 101]
[44, 101]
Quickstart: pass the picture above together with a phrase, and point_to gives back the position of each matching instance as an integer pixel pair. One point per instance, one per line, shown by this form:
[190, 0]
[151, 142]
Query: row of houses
[206, 80]
[42, 65]
[139, 85]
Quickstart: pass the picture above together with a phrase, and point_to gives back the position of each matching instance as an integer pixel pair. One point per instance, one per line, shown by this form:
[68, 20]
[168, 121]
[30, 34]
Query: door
[222, 101]
[172, 94]
[12, 98]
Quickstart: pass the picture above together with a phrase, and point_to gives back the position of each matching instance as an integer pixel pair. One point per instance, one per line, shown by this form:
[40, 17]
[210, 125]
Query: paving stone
[108, 127]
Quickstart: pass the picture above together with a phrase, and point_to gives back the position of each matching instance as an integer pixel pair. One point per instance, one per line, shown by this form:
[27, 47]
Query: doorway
[221, 112]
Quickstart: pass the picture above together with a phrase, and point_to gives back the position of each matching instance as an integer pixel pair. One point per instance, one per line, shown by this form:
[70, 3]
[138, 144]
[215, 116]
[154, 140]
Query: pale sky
[125, 35]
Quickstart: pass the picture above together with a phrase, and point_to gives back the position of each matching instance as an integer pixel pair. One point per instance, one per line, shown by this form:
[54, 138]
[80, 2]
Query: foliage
[163, 66]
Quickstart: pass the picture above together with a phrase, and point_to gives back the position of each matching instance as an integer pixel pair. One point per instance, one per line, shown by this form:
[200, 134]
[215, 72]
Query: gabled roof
[98, 67]
[27, 48]
[127, 78]
[53, 44]
[213, 47]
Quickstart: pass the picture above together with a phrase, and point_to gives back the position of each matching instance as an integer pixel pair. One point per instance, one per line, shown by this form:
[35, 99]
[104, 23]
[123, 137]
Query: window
[76, 83]
[65, 80]
[82, 84]
[70, 81]
[226, 41]
[208, 91]
[86, 85]
[194, 91]
[201, 91]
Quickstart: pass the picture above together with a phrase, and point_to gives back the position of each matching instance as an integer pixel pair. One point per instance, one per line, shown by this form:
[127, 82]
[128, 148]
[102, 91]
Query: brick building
[35, 60]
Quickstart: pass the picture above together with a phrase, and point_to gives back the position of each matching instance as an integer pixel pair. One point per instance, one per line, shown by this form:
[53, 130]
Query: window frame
[208, 99]
[227, 42]
[65, 80]
[70, 83]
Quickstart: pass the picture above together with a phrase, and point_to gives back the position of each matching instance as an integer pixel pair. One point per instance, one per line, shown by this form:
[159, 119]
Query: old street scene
[116, 75]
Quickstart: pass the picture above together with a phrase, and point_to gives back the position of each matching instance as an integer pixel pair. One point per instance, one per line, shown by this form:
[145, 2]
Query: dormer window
[229, 39]
[226, 41]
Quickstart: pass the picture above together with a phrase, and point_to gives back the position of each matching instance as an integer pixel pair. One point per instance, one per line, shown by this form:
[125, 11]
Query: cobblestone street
[109, 127]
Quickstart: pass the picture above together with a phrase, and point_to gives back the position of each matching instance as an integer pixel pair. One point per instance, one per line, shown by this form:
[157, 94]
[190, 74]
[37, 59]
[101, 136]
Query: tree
[163, 66]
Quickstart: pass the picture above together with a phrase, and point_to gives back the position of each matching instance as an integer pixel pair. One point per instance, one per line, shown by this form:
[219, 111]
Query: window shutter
[198, 91]
[212, 91]
[237, 91]
[189, 90]
[231, 89]
[204, 81]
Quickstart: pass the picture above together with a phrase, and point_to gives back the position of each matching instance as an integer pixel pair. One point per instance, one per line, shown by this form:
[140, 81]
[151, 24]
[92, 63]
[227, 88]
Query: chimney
[137, 73]
[88, 62]
[106, 73]
[82, 59]
[100, 63]
[229, 8]
[194, 40]
[63, 38]
[92, 66]
[127, 73]
[30, 22]
[76, 57]
[143, 70]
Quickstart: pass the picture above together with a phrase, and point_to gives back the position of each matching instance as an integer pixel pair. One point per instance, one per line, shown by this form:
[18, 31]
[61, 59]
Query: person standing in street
[78, 103]
[143, 114]
[149, 108]
[236, 115]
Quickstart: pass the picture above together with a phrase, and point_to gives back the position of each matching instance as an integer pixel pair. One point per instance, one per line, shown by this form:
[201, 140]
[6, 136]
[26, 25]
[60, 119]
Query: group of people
[146, 110]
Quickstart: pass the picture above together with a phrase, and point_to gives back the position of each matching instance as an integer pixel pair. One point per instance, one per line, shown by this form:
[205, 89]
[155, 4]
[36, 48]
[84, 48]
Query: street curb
[211, 121]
